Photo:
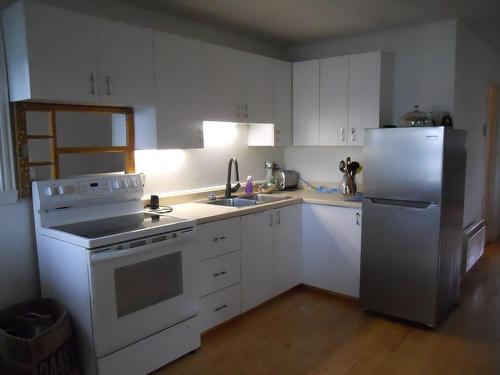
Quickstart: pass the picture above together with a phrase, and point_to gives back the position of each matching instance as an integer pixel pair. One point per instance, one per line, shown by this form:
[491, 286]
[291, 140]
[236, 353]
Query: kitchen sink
[246, 200]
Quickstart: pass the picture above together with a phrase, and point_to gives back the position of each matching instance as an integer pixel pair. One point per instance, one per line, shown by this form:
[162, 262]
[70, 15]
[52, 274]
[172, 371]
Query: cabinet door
[222, 73]
[126, 64]
[364, 95]
[62, 54]
[257, 258]
[334, 86]
[257, 88]
[179, 121]
[282, 78]
[287, 247]
[331, 248]
[306, 103]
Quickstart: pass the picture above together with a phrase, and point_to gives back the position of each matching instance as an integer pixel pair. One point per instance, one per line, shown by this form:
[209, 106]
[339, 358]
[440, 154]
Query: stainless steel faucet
[229, 189]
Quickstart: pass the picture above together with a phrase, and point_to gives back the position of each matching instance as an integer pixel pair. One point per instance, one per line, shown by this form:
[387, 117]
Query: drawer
[218, 307]
[218, 273]
[217, 238]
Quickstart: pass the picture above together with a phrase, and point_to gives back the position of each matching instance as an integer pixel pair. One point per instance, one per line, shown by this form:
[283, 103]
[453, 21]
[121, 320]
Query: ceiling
[290, 22]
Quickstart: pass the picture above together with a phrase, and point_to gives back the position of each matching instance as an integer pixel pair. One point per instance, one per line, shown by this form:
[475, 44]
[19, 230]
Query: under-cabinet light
[219, 134]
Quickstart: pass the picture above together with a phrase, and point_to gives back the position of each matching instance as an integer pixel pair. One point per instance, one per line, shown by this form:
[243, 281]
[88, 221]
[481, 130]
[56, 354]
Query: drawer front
[218, 273]
[221, 306]
[218, 238]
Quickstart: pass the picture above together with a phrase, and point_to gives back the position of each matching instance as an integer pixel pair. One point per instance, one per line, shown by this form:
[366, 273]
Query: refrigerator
[411, 239]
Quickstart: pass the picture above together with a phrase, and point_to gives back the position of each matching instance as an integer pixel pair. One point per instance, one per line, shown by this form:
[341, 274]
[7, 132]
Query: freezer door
[403, 163]
[399, 259]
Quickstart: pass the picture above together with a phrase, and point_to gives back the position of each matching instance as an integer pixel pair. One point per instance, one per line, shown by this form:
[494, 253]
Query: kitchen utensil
[414, 118]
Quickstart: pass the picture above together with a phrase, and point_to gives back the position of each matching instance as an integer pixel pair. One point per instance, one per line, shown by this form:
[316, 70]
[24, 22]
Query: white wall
[18, 275]
[418, 69]
[478, 65]
[170, 171]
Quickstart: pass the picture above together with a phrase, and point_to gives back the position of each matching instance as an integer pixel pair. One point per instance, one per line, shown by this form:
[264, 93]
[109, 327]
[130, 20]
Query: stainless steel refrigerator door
[399, 259]
[403, 163]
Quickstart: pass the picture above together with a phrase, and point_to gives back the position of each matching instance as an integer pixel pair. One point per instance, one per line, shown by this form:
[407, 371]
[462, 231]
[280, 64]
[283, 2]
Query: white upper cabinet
[62, 56]
[364, 94]
[126, 67]
[334, 93]
[237, 86]
[257, 88]
[335, 99]
[221, 84]
[282, 103]
[51, 54]
[178, 63]
[306, 103]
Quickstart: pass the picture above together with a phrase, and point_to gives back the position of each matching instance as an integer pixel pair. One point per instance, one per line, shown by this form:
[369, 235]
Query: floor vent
[474, 241]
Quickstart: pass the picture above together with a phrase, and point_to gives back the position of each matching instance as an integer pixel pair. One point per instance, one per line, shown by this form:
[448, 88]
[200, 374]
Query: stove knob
[49, 191]
[116, 184]
[134, 183]
[124, 184]
[61, 190]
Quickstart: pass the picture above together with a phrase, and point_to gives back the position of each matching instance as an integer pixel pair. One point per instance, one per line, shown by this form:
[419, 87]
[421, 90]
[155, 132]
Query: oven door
[142, 289]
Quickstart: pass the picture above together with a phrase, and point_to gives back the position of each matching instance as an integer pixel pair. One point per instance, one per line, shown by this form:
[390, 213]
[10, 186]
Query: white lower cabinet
[220, 272]
[270, 254]
[218, 307]
[331, 248]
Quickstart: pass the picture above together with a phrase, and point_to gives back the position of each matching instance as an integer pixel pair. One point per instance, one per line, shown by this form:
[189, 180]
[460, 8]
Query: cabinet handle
[271, 223]
[246, 110]
[220, 307]
[358, 218]
[222, 238]
[238, 110]
[108, 85]
[353, 134]
[219, 273]
[341, 134]
[92, 86]
[278, 215]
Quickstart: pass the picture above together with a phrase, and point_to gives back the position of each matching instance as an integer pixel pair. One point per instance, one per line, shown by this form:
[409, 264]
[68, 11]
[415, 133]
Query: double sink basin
[246, 200]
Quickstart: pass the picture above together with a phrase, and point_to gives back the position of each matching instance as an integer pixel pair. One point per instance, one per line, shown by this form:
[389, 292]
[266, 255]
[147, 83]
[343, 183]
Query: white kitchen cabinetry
[126, 67]
[364, 94]
[57, 55]
[282, 103]
[306, 103]
[334, 93]
[257, 258]
[270, 248]
[335, 99]
[51, 54]
[331, 248]
[287, 248]
[219, 271]
[237, 86]
[179, 98]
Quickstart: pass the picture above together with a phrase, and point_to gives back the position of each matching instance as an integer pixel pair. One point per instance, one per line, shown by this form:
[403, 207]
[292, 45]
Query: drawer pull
[219, 273]
[220, 308]
[219, 238]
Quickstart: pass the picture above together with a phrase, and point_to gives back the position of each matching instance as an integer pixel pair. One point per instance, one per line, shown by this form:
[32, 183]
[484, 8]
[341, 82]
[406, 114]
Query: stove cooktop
[118, 224]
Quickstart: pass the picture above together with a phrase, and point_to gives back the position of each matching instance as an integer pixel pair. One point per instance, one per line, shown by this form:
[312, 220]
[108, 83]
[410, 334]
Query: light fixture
[219, 134]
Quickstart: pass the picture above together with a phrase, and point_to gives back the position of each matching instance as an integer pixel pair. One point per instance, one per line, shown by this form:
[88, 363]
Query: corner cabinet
[331, 248]
[270, 254]
[237, 86]
[335, 99]
[62, 56]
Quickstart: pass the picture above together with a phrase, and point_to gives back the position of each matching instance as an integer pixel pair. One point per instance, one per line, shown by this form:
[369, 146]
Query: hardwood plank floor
[306, 331]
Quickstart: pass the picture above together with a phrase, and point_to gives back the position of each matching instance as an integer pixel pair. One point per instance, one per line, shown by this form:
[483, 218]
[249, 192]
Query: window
[8, 192]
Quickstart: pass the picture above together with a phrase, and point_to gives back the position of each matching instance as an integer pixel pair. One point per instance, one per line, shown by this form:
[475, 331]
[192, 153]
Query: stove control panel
[66, 192]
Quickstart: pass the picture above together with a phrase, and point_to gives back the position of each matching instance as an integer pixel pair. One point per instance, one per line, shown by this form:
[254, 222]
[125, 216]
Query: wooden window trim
[23, 164]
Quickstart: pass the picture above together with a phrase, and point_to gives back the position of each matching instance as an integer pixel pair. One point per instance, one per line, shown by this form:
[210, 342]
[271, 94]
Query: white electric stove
[126, 277]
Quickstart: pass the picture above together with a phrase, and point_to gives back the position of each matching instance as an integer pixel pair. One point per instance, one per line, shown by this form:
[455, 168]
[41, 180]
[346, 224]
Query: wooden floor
[308, 332]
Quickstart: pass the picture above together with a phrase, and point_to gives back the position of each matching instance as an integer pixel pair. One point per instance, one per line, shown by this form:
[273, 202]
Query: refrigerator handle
[398, 203]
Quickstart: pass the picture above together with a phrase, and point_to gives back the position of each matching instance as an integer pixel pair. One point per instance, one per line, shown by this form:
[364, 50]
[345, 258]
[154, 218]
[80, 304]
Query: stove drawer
[221, 306]
[218, 273]
[217, 238]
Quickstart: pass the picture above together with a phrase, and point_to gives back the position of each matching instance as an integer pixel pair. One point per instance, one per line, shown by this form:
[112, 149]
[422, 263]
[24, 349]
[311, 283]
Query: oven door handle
[105, 255]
